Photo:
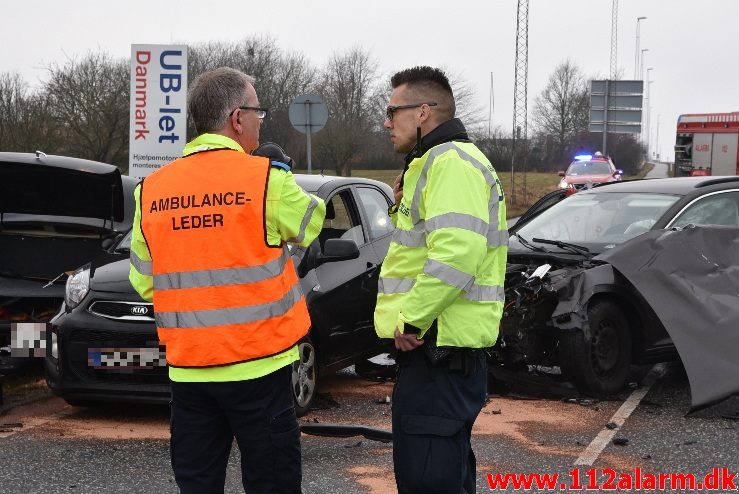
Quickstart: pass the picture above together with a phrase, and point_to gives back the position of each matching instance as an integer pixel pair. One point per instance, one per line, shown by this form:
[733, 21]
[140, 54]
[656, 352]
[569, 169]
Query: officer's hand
[274, 152]
[406, 342]
[397, 189]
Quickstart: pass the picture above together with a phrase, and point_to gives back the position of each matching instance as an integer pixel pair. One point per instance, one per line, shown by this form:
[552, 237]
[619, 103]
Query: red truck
[707, 144]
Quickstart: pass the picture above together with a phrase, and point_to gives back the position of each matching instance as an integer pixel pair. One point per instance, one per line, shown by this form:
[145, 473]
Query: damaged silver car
[631, 272]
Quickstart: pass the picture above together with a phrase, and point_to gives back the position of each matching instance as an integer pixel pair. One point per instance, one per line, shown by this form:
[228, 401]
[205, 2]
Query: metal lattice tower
[520, 92]
[614, 40]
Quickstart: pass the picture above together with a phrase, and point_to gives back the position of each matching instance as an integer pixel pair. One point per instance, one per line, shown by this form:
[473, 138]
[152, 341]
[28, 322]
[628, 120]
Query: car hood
[59, 186]
[583, 179]
[109, 273]
[690, 278]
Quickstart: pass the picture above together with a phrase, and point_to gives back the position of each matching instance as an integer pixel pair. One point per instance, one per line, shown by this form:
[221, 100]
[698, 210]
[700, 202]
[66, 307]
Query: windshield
[598, 220]
[589, 168]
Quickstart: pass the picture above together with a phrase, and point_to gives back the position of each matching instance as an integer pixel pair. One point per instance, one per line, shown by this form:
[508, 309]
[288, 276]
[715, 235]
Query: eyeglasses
[261, 112]
[390, 111]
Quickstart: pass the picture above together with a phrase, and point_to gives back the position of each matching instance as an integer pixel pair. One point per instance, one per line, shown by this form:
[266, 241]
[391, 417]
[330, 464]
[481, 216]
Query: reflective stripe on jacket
[222, 295]
[448, 254]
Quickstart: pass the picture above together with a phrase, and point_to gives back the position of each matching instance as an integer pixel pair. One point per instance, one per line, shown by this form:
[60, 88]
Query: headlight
[77, 287]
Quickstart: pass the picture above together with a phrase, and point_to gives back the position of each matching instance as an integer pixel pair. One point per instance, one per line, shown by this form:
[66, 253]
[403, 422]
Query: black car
[56, 213]
[627, 272]
[103, 346]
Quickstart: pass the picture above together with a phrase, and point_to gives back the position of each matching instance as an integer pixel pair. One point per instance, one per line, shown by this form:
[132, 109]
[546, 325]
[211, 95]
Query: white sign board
[158, 107]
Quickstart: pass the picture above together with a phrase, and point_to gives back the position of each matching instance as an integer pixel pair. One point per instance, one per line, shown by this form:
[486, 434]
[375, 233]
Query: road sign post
[308, 114]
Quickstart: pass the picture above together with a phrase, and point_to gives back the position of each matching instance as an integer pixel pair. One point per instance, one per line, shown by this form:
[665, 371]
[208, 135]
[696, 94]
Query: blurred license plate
[126, 358]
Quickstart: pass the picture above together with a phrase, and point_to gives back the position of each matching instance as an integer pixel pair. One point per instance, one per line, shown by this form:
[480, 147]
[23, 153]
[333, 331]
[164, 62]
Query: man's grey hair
[214, 95]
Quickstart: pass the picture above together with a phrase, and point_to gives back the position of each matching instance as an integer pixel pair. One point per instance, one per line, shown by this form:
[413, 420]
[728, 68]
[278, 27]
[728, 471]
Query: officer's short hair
[428, 83]
[214, 95]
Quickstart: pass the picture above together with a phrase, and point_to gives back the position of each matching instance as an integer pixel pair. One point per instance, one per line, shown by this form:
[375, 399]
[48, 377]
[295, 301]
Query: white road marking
[605, 436]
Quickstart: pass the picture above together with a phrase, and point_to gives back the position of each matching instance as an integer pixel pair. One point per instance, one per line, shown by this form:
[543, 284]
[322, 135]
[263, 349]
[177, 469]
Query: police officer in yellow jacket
[441, 284]
[208, 247]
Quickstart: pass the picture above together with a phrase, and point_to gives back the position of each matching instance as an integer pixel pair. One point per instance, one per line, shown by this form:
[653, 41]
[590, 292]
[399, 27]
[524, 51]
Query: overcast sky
[692, 44]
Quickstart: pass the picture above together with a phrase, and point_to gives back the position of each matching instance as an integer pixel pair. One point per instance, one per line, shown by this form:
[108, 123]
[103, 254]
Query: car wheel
[599, 364]
[304, 377]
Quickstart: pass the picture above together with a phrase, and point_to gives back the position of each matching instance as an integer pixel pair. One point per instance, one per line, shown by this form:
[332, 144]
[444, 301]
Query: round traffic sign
[308, 112]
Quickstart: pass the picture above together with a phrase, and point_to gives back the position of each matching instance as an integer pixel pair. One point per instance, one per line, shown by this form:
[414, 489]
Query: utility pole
[641, 65]
[645, 116]
[614, 40]
[520, 95]
[614, 72]
[636, 49]
[491, 106]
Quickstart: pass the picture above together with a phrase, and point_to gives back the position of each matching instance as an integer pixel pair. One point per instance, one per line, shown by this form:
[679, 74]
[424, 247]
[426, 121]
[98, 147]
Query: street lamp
[648, 99]
[636, 49]
[641, 66]
[649, 110]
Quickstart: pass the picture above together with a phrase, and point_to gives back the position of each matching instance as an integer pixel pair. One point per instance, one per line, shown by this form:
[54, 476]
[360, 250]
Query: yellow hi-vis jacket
[447, 257]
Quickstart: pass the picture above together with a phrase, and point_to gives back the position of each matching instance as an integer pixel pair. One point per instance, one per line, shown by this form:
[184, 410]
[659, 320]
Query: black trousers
[259, 413]
[433, 412]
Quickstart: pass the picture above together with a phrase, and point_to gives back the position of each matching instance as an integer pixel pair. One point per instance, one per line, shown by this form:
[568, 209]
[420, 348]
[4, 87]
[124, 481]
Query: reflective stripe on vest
[143, 267]
[478, 293]
[223, 276]
[221, 294]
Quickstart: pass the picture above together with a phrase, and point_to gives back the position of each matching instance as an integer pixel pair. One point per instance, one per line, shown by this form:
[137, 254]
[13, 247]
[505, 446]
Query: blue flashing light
[583, 157]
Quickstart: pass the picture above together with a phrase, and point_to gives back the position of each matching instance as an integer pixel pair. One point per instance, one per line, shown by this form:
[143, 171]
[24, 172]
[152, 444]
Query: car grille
[124, 311]
[114, 338]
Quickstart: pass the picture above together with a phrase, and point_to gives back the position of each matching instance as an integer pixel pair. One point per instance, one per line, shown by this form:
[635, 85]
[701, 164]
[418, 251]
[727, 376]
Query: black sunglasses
[261, 112]
[390, 110]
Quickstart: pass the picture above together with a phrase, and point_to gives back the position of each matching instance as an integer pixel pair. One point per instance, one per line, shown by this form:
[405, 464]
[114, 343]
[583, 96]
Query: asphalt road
[47, 446]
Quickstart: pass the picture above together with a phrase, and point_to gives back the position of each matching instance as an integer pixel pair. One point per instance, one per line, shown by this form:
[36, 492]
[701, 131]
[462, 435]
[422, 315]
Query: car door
[541, 205]
[342, 311]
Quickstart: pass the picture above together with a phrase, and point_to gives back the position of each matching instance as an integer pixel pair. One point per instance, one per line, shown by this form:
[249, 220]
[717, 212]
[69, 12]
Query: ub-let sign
[158, 107]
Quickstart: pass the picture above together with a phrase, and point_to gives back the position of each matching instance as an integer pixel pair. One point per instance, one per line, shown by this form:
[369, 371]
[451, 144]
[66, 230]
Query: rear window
[589, 168]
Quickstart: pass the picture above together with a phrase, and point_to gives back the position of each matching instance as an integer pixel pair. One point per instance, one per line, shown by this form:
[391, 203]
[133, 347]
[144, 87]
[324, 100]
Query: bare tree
[561, 110]
[24, 126]
[89, 99]
[471, 114]
[280, 78]
[348, 83]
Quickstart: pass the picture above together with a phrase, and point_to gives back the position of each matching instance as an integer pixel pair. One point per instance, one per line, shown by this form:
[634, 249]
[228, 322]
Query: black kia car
[102, 345]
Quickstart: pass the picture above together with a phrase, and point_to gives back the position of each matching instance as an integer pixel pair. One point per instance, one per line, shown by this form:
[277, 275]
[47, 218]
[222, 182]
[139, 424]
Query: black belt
[464, 360]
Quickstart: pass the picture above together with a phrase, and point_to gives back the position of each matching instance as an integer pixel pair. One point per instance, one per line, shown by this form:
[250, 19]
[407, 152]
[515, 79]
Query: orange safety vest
[221, 294]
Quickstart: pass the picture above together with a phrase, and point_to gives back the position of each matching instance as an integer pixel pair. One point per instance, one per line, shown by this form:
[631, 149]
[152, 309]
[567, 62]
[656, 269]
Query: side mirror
[561, 174]
[618, 172]
[337, 249]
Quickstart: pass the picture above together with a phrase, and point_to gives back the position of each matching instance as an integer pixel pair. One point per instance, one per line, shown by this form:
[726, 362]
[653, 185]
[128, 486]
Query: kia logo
[139, 310]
